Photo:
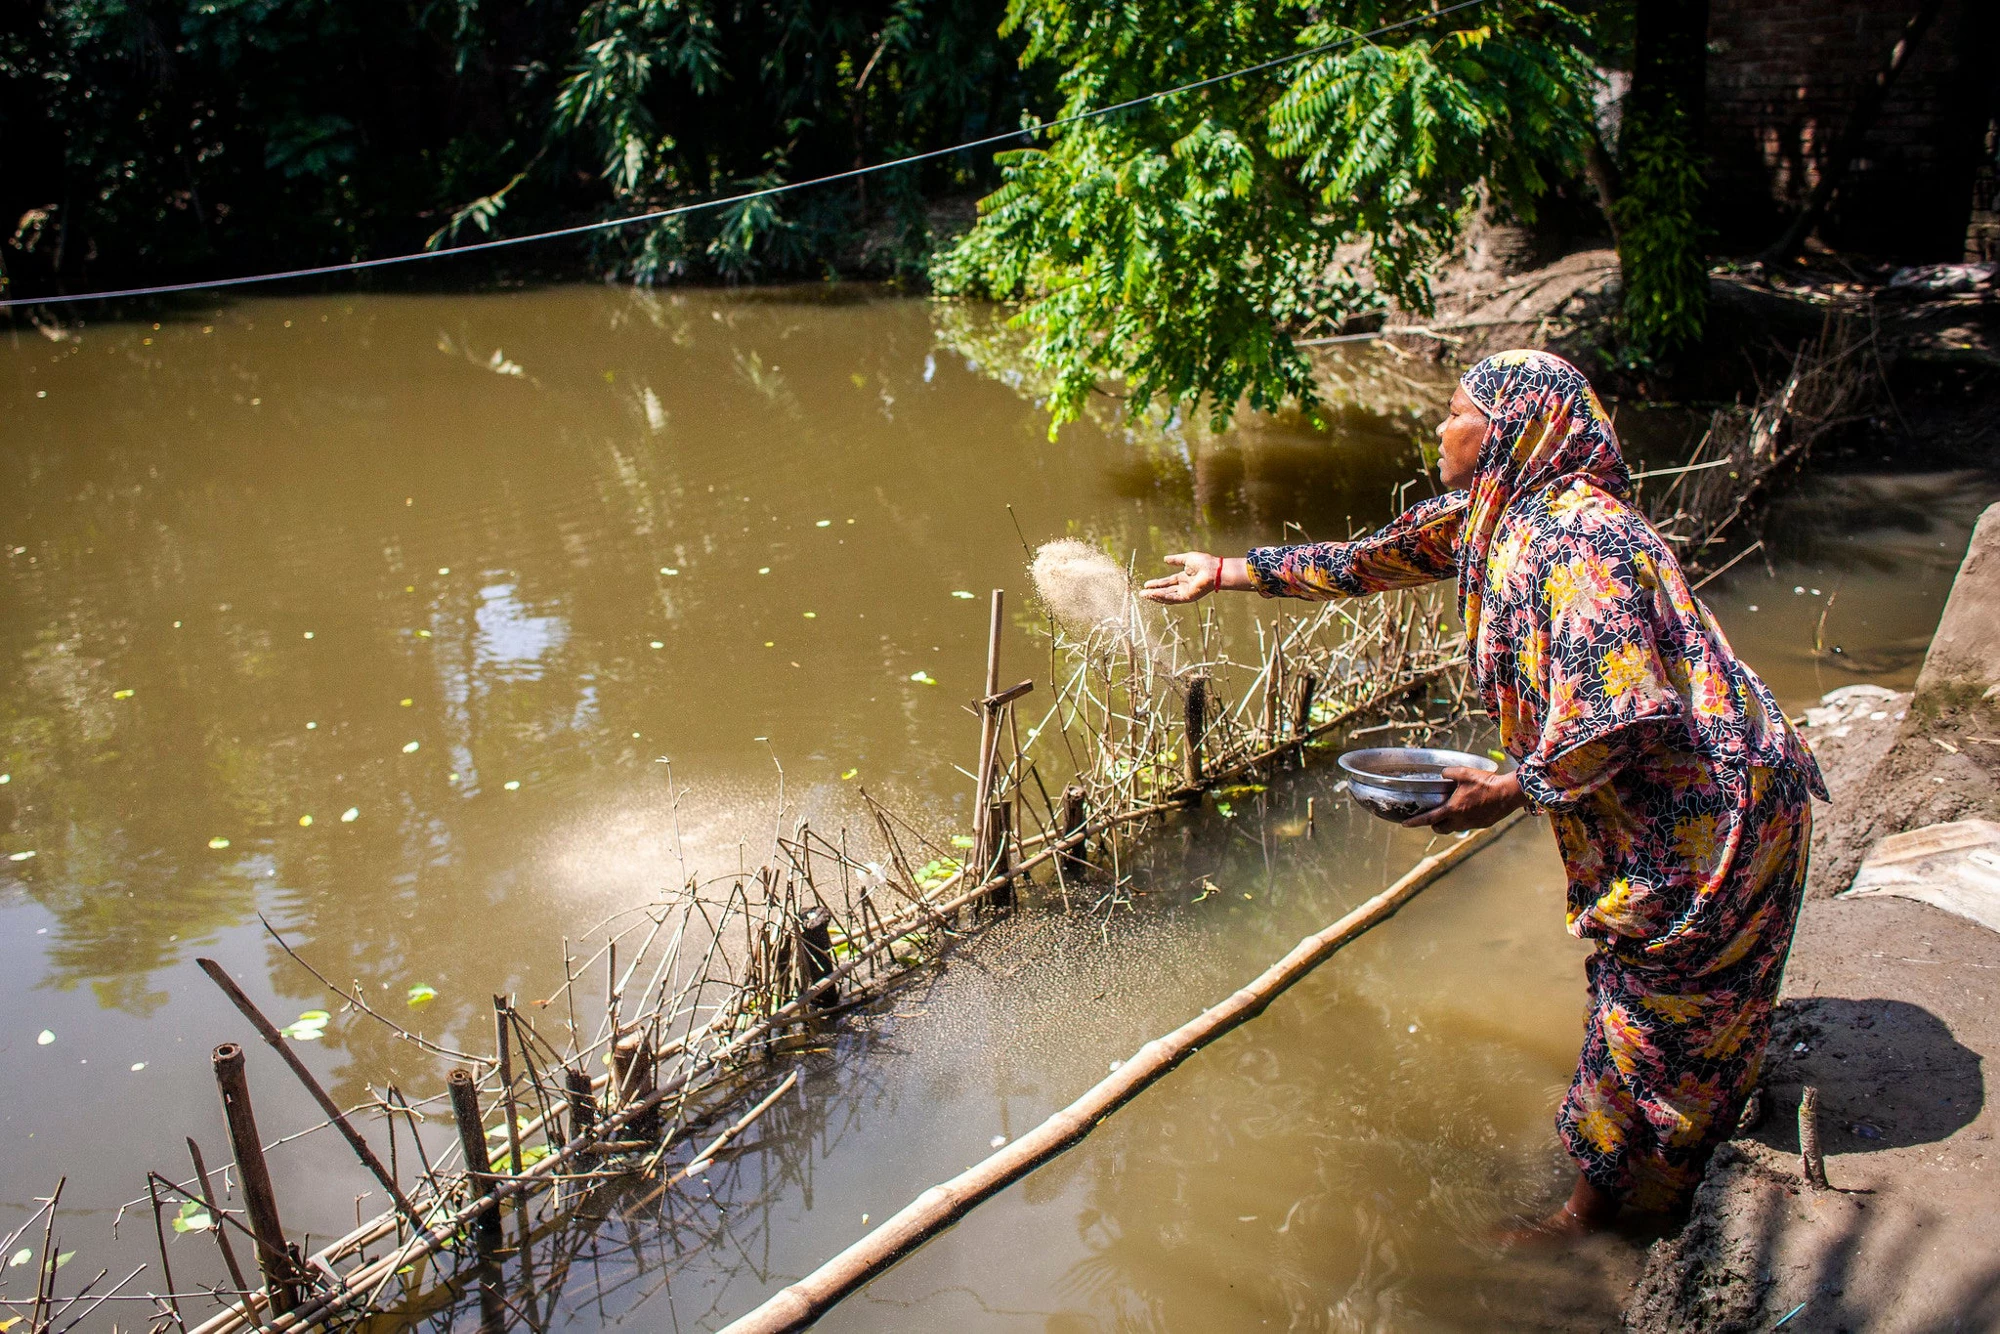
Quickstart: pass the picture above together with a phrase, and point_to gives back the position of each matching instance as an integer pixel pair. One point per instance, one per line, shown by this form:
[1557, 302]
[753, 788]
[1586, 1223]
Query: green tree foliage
[1662, 248]
[1183, 244]
[171, 138]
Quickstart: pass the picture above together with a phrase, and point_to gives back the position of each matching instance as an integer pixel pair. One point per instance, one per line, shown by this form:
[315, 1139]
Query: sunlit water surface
[378, 616]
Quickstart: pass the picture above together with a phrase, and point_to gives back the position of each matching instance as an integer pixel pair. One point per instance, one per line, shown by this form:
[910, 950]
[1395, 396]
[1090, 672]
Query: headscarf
[1544, 425]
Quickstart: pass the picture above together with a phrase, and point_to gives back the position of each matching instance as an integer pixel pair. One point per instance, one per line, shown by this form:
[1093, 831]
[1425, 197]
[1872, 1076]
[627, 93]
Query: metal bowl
[1401, 782]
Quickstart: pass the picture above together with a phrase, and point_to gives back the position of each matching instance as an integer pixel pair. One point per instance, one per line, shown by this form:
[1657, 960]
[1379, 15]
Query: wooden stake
[816, 954]
[1812, 1166]
[260, 1201]
[632, 1076]
[1000, 826]
[472, 1144]
[208, 1202]
[166, 1265]
[937, 1208]
[1274, 684]
[1197, 727]
[1309, 817]
[1302, 717]
[989, 735]
[582, 1111]
[503, 1052]
[1075, 815]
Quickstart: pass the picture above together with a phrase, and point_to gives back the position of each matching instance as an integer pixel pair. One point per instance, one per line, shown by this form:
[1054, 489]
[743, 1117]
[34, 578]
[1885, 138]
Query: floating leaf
[218, 842]
[668, 569]
[305, 822]
[193, 1218]
[350, 815]
[812, 615]
[422, 994]
[659, 643]
[961, 841]
[44, 1038]
[21, 856]
[1225, 810]
[137, 1066]
[64, 1259]
[1207, 888]
[763, 569]
[1240, 790]
[512, 784]
[315, 1017]
[923, 678]
[849, 774]
[410, 747]
[406, 703]
[121, 694]
[9, 1323]
[21, 1257]
[824, 523]
[962, 593]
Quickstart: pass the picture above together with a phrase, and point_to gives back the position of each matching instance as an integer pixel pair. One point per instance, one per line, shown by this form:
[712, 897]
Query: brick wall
[1782, 77]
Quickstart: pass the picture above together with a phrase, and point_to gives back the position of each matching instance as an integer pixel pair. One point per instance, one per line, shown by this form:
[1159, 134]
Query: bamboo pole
[1075, 815]
[1196, 716]
[260, 1201]
[937, 1208]
[472, 1145]
[989, 731]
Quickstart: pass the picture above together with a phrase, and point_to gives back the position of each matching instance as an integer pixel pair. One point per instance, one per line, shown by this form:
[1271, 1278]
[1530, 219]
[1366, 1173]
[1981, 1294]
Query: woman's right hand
[1201, 574]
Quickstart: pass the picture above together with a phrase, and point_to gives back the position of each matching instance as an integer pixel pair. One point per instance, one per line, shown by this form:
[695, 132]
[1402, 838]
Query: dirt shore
[1891, 1008]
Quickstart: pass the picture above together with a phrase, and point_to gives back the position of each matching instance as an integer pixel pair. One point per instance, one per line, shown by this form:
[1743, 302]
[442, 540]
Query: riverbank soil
[1892, 1010]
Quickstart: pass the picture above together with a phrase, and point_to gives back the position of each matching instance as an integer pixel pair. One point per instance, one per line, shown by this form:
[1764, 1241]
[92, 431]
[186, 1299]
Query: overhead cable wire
[681, 210]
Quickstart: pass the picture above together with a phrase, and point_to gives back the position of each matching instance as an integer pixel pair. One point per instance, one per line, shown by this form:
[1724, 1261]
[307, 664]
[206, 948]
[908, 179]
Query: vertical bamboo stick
[1274, 683]
[989, 734]
[504, 1055]
[1302, 717]
[1197, 726]
[1000, 823]
[1812, 1165]
[260, 1200]
[472, 1143]
[582, 1110]
[1075, 814]
[816, 953]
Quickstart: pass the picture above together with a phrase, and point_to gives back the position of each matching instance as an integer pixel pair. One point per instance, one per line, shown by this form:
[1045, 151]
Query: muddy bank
[1891, 1009]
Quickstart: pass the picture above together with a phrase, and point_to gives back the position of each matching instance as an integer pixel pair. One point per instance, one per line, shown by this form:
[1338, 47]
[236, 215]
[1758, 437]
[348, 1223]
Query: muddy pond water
[379, 615]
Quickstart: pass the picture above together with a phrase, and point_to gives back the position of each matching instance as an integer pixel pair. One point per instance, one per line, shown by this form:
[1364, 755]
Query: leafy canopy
[1186, 244]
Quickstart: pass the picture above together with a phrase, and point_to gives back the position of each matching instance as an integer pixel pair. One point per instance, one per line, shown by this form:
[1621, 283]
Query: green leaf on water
[20, 1257]
[121, 694]
[961, 593]
[308, 1027]
[193, 1218]
[1240, 790]
[923, 678]
[218, 842]
[422, 994]
[1225, 810]
[849, 774]
[64, 1258]
[9, 1323]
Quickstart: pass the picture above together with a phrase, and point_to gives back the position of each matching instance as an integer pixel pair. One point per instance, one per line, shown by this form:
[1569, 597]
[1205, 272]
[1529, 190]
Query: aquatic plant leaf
[9, 1323]
[961, 841]
[218, 842]
[44, 1038]
[121, 694]
[512, 785]
[961, 593]
[1225, 810]
[350, 815]
[1240, 790]
[20, 1257]
[193, 1218]
[21, 856]
[422, 994]
[849, 774]
[923, 678]
[410, 747]
[320, 1017]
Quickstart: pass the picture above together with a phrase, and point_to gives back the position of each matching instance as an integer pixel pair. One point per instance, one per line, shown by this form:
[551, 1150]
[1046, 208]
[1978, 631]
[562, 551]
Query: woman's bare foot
[1587, 1210]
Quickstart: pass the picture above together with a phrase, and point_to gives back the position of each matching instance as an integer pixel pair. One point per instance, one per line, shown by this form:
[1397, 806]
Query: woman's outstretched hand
[1480, 799]
[1201, 574]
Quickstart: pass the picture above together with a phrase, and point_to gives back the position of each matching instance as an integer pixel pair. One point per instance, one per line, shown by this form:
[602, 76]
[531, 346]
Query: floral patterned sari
[1679, 793]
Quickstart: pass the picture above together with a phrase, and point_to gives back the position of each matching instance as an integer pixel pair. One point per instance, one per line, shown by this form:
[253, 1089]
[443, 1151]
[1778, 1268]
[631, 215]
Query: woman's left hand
[1480, 799]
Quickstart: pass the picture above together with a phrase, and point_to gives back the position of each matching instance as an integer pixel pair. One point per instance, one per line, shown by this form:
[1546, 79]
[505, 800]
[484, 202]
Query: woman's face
[1459, 435]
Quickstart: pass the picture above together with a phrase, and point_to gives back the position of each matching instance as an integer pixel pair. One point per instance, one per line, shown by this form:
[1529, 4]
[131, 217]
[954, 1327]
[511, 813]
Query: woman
[1680, 796]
